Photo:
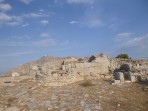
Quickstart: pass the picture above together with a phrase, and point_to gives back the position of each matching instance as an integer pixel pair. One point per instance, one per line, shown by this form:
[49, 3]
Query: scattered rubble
[55, 84]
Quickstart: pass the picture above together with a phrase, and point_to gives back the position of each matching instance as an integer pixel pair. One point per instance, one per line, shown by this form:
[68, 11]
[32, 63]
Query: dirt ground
[100, 95]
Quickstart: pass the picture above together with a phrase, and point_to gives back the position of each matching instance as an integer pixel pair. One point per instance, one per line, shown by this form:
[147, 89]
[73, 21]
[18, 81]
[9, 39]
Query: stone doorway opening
[123, 74]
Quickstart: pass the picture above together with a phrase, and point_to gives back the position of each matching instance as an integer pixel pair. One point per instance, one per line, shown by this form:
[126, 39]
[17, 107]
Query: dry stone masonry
[50, 71]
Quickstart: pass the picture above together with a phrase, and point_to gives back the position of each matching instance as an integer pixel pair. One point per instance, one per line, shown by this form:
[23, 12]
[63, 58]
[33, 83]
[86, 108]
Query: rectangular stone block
[107, 77]
[120, 76]
[117, 81]
[133, 79]
[63, 67]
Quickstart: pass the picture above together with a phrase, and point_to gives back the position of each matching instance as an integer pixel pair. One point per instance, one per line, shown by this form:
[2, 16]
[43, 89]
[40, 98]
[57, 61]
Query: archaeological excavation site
[95, 83]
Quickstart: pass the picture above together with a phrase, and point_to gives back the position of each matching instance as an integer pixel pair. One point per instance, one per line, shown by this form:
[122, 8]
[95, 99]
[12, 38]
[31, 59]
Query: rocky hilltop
[95, 83]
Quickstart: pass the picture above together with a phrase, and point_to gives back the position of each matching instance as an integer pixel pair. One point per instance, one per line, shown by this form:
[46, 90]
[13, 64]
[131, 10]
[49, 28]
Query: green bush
[123, 56]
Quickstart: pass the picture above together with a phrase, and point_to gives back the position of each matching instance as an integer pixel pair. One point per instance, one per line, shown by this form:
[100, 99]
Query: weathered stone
[107, 77]
[15, 74]
[35, 67]
[131, 77]
[47, 104]
[56, 73]
[125, 67]
[82, 103]
[117, 81]
[63, 67]
[120, 76]
[127, 81]
[32, 105]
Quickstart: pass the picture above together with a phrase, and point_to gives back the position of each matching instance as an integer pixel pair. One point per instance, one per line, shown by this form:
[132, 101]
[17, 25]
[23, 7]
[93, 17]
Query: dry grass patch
[86, 83]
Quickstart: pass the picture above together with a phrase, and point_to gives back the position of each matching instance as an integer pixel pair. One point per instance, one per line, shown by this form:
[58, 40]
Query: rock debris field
[100, 95]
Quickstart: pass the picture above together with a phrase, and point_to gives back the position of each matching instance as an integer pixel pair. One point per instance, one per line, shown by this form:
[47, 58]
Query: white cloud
[20, 38]
[114, 23]
[14, 23]
[5, 7]
[27, 1]
[17, 54]
[89, 2]
[12, 43]
[44, 21]
[140, 41]
[136, 46]
[38, 14]
[80, 1]
[123, 36]
[92, 17]
[44, 34]
[7, 19]
[91, 23]
[114, 26]
[45, 42]
[4, 18]
[126, 34]
[15, 41]
[33, 15]
[73, 22]
[25, 25]
[10, 19]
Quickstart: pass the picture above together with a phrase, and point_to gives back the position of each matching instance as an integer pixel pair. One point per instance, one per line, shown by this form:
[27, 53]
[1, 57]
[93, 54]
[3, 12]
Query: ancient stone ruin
[123, 74]
[52, 71]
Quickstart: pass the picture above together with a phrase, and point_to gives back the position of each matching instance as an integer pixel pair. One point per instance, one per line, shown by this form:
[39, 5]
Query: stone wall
[137, 71]
[94, 69]
[136, 66]
[72, 70]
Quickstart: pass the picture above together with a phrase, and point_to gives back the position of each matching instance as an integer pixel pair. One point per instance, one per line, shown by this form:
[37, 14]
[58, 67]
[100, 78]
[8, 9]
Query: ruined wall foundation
[95, 67]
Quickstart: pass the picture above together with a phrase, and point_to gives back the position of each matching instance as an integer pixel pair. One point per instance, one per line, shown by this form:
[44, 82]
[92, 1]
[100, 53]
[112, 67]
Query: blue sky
[30, 29]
